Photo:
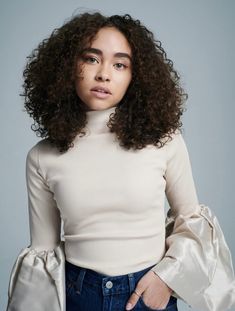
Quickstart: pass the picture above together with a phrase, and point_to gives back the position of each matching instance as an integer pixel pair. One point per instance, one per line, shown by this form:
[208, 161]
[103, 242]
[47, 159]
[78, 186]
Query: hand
[153, 290]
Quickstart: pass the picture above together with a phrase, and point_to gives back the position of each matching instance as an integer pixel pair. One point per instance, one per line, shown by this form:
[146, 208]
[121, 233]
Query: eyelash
[88, 58]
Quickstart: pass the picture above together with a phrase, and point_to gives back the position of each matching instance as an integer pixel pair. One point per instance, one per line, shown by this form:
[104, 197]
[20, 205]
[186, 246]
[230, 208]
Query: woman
[108, 104]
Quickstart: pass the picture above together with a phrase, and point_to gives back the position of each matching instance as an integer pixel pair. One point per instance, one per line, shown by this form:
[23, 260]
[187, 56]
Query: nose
[102, 74]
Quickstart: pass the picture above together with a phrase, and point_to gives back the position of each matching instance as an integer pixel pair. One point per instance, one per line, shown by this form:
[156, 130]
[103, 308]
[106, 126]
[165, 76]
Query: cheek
[79, 86]
[82, 80]
[126, 82]
[122, 87]
[83, 72]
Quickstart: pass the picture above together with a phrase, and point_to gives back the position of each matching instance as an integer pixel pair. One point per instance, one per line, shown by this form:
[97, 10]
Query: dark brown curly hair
[149, 111]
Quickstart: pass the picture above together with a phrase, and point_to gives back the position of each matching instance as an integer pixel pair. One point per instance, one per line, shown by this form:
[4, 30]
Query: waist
[112, 257]
[96, 278]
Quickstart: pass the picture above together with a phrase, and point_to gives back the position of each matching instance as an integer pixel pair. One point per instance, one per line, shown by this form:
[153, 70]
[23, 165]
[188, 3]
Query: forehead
[110, 39]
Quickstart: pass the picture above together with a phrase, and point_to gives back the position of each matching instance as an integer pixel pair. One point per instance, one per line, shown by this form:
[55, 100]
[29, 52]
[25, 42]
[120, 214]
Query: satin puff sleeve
[37, 278]
[197, 264]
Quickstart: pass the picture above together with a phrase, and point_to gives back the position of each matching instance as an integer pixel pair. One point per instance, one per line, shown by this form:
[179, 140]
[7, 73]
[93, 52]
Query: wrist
[171, 290]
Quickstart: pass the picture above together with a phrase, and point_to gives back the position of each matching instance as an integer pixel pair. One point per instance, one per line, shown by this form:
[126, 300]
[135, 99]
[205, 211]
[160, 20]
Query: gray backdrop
[198, 37]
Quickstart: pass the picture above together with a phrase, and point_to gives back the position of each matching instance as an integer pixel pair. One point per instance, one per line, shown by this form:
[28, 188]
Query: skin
[155, 293]
[102, 66]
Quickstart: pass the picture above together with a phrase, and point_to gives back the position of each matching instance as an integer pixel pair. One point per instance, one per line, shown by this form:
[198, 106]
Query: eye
[120, 66]
[90, 59]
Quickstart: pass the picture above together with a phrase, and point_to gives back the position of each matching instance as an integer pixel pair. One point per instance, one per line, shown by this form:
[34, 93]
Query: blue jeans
[88, 290]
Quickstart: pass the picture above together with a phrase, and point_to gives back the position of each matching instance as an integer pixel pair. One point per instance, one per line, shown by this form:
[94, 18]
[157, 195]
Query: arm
[37, 278]
[197, 259]
[180, 188]
[44, 216]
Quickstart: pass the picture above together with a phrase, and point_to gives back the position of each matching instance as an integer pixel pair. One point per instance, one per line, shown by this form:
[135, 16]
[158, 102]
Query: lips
[101, 89]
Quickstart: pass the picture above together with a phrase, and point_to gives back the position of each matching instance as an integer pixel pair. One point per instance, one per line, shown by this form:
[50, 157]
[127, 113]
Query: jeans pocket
[171, 302]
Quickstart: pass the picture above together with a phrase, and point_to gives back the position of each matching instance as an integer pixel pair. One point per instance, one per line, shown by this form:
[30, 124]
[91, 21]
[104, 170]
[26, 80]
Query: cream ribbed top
[111, 200]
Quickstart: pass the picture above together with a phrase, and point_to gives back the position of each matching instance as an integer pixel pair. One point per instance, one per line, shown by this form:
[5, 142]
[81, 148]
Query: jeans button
[109, 284]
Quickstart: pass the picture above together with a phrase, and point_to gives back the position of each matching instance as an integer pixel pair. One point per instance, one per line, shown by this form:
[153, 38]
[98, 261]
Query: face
[106, 70]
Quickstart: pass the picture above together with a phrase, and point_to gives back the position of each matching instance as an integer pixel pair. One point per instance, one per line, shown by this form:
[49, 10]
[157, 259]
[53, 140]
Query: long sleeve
[197, 264]
[39, 268]
[44, 216]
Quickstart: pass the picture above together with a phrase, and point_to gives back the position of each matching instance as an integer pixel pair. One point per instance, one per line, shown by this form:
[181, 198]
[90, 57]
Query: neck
[97, 120]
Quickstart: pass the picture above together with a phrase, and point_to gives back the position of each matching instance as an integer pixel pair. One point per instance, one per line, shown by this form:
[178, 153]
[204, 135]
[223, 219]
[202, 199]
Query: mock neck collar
[97, 120]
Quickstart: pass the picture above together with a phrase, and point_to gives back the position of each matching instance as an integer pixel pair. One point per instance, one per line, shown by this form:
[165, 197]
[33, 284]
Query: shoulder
[38, 154]
[41, 146]
[175, 146]
[175, 140]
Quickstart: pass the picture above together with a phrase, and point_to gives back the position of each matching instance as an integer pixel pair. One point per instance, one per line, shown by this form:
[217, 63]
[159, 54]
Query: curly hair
[150, 110]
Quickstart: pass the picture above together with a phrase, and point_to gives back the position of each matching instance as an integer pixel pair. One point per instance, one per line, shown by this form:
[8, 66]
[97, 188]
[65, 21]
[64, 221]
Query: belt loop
[79, 281]
[131, 282]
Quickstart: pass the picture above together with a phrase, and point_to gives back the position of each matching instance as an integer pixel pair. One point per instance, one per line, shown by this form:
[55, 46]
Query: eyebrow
[99, 52]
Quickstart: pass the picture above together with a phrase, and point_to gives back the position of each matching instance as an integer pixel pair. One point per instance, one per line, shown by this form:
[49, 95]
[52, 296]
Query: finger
[133, 299]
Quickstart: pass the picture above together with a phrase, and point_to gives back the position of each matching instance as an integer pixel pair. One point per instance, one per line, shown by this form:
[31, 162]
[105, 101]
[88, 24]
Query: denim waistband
[110, 284]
